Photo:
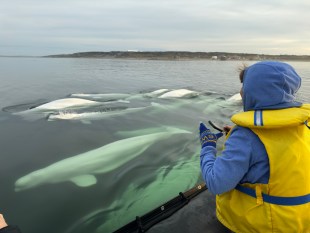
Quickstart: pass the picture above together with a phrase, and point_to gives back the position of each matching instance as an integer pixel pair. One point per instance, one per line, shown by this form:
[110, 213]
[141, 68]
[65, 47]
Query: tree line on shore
[180, 55]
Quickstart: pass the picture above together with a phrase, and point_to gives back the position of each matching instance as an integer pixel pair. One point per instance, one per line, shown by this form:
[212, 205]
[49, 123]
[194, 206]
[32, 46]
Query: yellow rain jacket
[282, 205]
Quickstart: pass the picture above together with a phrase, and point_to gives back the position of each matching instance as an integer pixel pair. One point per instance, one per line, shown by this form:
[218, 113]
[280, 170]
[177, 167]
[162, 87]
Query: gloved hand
[207, 138]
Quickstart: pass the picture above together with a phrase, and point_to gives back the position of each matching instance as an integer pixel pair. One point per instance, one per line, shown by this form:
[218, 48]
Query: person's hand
[207, 138]
[2, 222]
[227, 128]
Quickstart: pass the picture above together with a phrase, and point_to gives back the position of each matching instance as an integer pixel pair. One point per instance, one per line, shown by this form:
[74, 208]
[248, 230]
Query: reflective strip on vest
[258, 118]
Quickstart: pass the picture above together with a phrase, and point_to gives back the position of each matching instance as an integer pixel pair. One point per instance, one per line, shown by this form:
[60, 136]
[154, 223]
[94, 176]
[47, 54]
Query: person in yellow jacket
[262, 177]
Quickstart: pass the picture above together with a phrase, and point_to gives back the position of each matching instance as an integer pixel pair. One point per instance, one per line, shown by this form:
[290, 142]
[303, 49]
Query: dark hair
[241, 70]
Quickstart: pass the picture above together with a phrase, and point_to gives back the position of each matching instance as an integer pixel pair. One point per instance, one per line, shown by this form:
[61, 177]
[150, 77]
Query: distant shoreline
[175, 56]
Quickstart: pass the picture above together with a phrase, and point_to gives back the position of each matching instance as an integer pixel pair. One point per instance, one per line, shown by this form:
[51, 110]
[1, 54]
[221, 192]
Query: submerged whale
[101, 97]
[137, 200]
[82, 168]
[87, 117]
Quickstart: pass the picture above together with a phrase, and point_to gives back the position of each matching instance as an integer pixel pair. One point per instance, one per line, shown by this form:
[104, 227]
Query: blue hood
[270, 85]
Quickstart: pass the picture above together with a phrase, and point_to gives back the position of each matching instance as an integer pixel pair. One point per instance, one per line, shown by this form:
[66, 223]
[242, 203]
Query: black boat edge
[145, 222]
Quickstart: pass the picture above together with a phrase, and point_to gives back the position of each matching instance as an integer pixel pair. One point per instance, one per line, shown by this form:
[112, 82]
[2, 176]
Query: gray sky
[43, 27]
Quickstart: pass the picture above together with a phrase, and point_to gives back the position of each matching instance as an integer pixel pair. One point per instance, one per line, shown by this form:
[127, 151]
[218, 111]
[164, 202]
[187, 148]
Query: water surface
[167, 167]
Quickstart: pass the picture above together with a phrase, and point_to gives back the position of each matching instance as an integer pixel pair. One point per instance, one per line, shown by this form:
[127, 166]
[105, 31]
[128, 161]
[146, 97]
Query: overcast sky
[43, 27]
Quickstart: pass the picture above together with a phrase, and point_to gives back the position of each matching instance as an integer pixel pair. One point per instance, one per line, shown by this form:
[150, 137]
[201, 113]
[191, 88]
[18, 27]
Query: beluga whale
[179, 93]
[59, 105]
[82, 168]
[101, 97]
[55, 106]
[156, 93]
[87, 117]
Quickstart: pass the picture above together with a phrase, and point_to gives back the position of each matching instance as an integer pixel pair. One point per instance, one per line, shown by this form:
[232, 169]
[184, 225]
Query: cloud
[48, 27]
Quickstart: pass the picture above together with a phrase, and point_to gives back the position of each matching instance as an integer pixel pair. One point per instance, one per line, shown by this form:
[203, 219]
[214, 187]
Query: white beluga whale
[180, 93]
[66, 103]
[101, 97]
[137, 200]
[235, 97]
[60, 104]
[82, 168]
[143, 131]
[87, 117]
[156, 93]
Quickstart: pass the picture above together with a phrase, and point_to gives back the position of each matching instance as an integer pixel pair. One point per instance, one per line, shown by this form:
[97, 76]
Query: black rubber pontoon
[145, 222]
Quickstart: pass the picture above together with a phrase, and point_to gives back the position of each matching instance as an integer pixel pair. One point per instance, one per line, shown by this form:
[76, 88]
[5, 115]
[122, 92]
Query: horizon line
[157, 51]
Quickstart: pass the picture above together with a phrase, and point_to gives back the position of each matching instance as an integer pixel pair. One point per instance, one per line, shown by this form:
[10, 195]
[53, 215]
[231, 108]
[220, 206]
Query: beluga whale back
[180, 93]
[66, 103]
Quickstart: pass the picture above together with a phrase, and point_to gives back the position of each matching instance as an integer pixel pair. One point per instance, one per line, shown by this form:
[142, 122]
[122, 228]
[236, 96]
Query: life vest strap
[287, 201]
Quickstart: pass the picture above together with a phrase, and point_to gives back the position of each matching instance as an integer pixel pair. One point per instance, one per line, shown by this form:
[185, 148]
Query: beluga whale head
[30, 181]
